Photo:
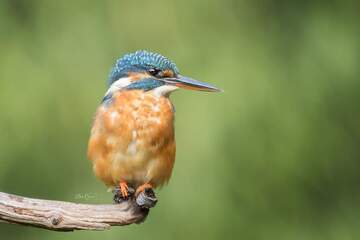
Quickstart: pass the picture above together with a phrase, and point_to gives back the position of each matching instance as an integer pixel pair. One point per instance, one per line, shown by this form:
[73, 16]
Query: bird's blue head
[150, 71]
[141, 62]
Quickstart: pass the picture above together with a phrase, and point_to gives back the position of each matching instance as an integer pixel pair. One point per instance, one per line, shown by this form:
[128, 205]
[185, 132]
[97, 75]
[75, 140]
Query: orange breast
[132, 139]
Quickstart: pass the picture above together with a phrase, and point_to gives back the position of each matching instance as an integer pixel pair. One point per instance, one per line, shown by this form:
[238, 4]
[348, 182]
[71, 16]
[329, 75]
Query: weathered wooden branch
[66, 216]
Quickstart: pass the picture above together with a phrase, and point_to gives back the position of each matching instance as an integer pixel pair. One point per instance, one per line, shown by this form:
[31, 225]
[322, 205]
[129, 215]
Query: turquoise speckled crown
[140, 61]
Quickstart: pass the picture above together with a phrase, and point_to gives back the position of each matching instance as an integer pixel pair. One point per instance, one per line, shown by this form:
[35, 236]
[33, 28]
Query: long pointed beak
[189, 83]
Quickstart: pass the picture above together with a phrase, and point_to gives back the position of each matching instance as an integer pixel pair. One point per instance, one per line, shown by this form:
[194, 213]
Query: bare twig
[66, 216]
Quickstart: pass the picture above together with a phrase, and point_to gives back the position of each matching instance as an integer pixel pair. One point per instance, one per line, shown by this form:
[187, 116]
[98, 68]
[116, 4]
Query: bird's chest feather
[133, 138]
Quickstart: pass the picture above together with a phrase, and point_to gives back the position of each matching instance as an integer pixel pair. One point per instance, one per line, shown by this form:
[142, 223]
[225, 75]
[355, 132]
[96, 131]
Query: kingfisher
[132, 140]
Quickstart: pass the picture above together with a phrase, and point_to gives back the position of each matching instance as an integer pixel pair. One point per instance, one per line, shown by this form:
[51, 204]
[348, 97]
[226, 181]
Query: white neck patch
[164, 90]
[118, 85]
[121, 83]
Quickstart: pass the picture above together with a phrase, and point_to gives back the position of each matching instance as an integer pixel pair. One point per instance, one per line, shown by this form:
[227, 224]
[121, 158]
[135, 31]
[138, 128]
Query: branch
[67, 216]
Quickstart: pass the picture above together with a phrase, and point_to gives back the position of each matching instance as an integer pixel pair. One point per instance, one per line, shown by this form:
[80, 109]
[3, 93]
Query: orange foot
[124, 189]
[142, 188]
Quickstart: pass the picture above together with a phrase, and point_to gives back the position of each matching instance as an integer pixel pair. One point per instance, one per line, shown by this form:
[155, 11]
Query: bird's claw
[119, 196]
[144, 199]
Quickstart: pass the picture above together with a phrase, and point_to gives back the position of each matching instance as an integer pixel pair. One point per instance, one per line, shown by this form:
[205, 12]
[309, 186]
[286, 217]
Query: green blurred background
[276, 156]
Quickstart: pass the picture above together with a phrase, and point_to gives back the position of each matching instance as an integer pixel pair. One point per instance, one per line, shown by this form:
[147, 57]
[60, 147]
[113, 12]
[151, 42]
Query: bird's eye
[155, 72]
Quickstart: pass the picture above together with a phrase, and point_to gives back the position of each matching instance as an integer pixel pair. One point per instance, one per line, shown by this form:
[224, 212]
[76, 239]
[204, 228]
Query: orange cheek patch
[135, 76]
[168, 73]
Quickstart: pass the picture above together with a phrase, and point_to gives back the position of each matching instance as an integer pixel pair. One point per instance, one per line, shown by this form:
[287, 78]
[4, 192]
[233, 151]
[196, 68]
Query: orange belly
[132, 139]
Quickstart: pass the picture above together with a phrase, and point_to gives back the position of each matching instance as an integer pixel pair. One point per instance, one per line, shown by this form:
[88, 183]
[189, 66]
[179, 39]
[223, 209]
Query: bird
[132, 139]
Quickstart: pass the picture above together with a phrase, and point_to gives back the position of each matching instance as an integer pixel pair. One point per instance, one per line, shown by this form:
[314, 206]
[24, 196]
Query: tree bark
[67, 216]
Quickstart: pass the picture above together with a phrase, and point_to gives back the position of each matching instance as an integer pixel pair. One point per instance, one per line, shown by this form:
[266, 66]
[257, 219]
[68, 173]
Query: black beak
[189, 83]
